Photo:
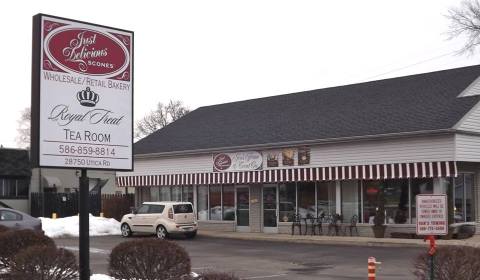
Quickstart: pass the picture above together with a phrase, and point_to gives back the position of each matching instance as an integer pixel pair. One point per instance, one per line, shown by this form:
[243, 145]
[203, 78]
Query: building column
[338, 198]
[256, 208]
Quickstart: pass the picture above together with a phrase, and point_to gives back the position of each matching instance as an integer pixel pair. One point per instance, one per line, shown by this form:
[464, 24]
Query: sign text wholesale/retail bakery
[82, 95]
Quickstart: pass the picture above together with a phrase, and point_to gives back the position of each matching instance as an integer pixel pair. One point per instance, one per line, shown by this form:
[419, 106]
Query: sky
[211, 52]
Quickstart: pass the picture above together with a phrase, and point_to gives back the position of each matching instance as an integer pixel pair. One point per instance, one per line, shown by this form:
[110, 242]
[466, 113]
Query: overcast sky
[210, 52]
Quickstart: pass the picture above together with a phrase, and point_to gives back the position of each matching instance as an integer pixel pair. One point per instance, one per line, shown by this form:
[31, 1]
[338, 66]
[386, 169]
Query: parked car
[15, 219]
[161, 218]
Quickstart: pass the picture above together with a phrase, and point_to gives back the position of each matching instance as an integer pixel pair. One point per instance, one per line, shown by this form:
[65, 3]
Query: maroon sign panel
[86, 51]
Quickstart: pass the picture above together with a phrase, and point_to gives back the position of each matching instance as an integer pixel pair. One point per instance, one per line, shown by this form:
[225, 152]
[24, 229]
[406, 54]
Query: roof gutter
[299, 143]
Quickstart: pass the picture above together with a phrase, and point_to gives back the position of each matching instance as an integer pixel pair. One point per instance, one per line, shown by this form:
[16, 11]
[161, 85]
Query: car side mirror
[134, 210]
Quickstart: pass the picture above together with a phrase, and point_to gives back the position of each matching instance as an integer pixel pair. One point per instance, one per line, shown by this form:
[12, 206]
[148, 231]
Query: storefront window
[419, 186]
[463, 196]
[326, 198]
[215, 202]
[395, 195]
[287, 202]
[228, 203]
[165, 194]
[202, 203]
[155, 193]
[176, 193]
[350, 200]
[306, 199]
[187, 194]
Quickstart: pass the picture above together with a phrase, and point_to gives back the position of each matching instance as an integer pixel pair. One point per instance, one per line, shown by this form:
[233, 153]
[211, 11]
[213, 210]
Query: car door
[154, 213]
[10, 219]
[139, 220]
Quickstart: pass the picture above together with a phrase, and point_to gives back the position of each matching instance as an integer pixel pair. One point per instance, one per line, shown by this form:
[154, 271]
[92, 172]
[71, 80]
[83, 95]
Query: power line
[408, 66]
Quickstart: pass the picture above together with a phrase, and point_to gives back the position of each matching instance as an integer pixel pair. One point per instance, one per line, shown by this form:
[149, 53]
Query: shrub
[149, 259]
[211, 275]
[44, 262]
[450, 262]
[3, 228]
[13, 241]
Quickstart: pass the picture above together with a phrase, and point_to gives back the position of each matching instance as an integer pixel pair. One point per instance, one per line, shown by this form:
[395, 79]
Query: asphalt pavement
[250, 259]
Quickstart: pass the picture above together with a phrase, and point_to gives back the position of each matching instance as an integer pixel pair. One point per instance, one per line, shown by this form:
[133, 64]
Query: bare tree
[465, 22]
[162, 116]
[23, 129]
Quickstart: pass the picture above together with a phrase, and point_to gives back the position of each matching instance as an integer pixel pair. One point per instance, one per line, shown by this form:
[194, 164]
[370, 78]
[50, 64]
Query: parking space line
[266, 276]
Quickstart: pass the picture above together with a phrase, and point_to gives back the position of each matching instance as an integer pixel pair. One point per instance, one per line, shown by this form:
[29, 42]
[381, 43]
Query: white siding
[472, 89]
[171, 165]
[471, 122]
[418, 149]
[467, 148]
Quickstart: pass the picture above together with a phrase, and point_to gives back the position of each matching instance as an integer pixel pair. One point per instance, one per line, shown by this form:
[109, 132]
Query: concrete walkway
[340, 240]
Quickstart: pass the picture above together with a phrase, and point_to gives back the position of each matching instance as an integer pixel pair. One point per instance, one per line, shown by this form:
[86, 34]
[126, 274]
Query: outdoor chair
[353, 225]
[334, 226]
[317, 222]
[296, 222]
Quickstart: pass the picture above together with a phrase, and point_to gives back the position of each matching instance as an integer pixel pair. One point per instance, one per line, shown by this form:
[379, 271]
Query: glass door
[242, 199]
[270, 208]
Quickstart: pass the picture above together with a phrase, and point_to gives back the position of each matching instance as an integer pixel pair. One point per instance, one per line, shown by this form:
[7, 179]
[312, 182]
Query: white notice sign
[85, 95]
[432, 214]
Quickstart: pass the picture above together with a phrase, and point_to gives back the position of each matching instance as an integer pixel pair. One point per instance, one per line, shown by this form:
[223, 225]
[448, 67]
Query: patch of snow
[69, 226]
[100, 277]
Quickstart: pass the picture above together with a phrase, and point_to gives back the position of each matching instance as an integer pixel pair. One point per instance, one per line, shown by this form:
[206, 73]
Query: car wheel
[191, 234]
[126, 231]
[161, 232]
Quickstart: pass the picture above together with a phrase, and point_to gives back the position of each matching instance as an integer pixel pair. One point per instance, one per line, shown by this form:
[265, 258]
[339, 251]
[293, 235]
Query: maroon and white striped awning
[301, 174]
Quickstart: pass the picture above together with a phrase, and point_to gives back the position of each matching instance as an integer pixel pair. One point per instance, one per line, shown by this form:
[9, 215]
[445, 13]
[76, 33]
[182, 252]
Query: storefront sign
[241, 161]
[288, 157]
[303, 156]
[432, 217]
[82, 95]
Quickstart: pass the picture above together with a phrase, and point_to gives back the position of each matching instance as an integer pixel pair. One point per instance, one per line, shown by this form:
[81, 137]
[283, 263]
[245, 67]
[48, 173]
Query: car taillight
[170, 213]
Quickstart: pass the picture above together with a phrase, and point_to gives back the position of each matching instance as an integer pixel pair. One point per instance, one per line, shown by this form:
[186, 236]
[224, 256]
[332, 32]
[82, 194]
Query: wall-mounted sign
[82, 95]
[288, 157]
[241, 161]
[272, 159]
[303, 156]
[432, 214]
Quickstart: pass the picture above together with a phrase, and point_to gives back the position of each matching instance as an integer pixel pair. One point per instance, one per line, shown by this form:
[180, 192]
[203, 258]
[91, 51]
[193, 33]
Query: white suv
[161, 218]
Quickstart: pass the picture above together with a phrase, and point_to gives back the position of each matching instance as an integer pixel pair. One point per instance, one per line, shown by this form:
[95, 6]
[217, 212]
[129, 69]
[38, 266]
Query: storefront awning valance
[302, 174]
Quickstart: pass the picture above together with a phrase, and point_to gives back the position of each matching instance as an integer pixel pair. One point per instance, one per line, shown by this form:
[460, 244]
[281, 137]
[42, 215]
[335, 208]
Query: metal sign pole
[84, 241]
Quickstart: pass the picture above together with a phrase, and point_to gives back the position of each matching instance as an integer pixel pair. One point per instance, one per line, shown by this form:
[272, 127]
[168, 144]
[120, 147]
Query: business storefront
[249, 176]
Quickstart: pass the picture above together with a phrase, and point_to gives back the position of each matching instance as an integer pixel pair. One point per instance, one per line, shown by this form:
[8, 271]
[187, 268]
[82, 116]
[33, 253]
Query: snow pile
[69, 226]
[100, 277]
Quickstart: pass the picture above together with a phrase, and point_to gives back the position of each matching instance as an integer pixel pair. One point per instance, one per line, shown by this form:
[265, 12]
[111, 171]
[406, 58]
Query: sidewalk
[339, 240]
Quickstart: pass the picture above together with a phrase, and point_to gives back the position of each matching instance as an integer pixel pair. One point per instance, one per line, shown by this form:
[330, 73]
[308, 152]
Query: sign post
[82, 104]
[432, 219]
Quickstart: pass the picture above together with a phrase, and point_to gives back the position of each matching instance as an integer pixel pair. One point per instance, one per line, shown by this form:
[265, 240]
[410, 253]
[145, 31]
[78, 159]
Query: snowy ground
[100, 277]
[69, 226]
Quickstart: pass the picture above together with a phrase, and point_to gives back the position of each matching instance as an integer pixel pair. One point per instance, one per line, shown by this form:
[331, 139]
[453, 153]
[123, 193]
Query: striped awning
[302, 174]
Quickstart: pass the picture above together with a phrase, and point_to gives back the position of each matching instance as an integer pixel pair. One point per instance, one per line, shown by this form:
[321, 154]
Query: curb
[334, 240]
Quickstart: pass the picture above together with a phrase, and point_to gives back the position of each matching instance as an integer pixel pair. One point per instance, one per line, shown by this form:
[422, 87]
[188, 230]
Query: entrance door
[242, 198]
[270, 209]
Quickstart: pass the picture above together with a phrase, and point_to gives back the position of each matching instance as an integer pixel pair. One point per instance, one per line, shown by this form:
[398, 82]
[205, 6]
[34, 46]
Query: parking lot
[272, 260]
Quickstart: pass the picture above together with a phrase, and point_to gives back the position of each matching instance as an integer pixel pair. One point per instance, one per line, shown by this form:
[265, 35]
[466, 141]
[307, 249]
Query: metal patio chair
[296, 222]
[352, 226]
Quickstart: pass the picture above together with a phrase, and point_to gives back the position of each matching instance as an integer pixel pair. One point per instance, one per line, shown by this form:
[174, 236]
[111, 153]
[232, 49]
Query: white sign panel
[241, 161]
[85, 95]
[432, 215]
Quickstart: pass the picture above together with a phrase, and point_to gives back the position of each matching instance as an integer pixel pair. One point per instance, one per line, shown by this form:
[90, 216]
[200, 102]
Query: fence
[66, 204]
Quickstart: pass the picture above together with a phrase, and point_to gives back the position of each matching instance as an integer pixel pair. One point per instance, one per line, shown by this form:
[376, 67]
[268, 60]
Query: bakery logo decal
[222, 162]
[85, 51]
[62, 114]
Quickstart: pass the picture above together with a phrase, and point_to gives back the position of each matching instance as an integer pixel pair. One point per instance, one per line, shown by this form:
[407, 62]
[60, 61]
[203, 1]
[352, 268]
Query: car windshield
[182, 208]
